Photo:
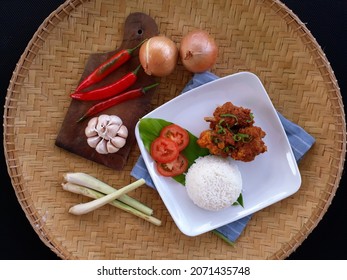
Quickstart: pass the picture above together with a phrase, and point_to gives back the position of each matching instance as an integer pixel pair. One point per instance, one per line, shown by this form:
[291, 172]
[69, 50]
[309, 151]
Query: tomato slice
[177, 134]
[164, 150]
[173, 168]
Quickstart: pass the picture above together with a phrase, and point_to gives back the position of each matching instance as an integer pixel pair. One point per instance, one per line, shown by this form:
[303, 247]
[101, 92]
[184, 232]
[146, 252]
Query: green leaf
[239, 201]
[223, 237]
[149, 129]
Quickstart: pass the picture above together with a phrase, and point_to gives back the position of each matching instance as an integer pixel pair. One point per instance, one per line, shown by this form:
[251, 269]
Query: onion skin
[158, 56]
[198, 51]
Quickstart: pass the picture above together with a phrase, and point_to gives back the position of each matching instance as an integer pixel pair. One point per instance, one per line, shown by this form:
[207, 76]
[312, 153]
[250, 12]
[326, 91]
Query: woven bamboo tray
[263, 37]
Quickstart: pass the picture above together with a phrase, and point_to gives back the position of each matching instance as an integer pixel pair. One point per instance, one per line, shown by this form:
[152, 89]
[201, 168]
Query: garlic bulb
[106, 134]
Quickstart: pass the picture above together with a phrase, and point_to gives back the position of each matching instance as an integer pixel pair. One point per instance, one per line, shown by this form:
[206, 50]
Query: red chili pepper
[103, 105]
[107, 67]
[110, 90]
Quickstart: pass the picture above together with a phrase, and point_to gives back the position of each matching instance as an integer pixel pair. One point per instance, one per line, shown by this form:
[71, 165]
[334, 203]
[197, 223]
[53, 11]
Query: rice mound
[213, 183]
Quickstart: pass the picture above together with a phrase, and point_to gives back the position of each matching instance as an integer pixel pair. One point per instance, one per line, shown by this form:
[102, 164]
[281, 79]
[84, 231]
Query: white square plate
[271, 177]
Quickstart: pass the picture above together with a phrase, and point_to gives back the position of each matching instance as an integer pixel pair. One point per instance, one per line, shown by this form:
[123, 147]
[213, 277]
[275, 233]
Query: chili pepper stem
[136, 70]
[82, 118]
[115, 100]
[147, 88]
[134, 48]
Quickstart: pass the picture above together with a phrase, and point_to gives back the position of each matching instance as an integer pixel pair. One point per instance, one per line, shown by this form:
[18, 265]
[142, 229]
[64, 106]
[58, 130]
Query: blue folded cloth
[299, 140]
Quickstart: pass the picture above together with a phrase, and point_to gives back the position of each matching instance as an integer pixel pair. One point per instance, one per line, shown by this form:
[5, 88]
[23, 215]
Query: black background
[19, 19]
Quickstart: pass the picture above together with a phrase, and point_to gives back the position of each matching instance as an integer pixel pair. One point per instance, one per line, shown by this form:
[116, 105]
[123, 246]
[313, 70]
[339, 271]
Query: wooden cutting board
[71, 137]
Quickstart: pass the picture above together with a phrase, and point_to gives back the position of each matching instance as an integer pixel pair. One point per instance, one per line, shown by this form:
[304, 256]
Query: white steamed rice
[213, 183]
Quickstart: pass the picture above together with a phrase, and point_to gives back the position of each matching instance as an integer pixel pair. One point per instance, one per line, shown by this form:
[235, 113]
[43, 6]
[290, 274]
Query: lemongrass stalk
[84, 208]
[91, 182]
[77, 189]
